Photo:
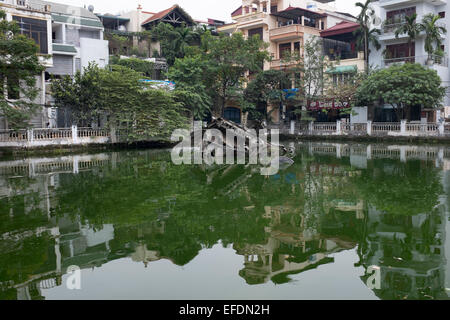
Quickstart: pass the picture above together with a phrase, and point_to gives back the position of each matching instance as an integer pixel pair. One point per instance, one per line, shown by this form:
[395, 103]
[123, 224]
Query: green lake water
[345, 221]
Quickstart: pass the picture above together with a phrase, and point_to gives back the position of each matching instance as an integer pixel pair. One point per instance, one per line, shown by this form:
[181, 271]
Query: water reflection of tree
[175, 211]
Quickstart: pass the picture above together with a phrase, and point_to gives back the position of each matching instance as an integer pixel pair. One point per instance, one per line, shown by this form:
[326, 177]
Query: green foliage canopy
[402, 86]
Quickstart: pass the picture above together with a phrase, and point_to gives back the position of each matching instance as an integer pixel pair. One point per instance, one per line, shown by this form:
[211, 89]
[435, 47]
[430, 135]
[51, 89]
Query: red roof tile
[237, 12]
[160, 14]
[340, 28]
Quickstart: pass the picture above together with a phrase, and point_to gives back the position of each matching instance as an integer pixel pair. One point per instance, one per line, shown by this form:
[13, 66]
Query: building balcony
[387, 4]
[64, 48]
[294, 31]
[388, 30]
[425, 60]
[26, 5]
[251, 16]
[281, 64]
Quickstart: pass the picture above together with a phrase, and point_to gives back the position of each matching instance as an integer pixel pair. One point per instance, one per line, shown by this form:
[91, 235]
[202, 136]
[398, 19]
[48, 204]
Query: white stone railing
[90, 132]
[50, 136]
[325, 127]
[427, 127]
[385, 126]
[368, 129]
[13, 135]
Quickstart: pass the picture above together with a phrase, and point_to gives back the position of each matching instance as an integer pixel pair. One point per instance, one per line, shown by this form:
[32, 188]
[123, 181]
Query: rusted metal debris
[223, 125]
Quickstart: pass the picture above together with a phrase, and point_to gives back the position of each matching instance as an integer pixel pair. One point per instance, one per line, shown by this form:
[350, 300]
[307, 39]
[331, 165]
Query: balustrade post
[75, 134]
[113, 134]
[403, 127]
[369, 127]
[339, 151]
[310, 127]
[30, 135]
[292, 127]
[441, 128]
[369, 152]
[338, 127]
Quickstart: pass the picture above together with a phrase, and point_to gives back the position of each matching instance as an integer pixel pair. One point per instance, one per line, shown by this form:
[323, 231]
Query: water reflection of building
[410, 253]
[294, 247]
[310, 212]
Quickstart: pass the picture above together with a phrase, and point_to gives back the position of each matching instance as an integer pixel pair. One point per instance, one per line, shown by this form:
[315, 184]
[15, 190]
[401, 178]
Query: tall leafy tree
[173, 40]
[218, 68]
[19, 66]
[138, 111]
[411, 28]
[402, 86]
[231, 58]
[367, 35]
[188, 75]
[433, 33]
[264, 89]
[309, 72]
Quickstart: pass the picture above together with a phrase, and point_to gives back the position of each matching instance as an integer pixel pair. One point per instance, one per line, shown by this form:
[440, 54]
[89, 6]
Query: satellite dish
[91, 8]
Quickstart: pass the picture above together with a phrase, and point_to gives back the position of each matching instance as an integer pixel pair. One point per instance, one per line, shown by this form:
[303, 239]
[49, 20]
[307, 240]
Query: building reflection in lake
[336, 197]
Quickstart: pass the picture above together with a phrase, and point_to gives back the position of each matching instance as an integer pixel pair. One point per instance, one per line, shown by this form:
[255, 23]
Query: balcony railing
[294, 28]
[251, 17]
[45, 8]
[425, 60]
[390, 27]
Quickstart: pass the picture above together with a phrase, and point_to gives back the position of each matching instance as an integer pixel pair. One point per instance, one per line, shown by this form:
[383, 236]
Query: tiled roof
[340, 28]
[160, 15]
[237, 12]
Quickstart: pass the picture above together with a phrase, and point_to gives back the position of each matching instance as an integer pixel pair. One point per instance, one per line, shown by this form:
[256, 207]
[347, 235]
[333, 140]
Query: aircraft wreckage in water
[248, 142]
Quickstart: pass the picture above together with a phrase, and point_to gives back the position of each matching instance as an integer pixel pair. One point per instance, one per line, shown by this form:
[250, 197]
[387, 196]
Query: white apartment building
[396, 50]
[35, 22]
[72, 36]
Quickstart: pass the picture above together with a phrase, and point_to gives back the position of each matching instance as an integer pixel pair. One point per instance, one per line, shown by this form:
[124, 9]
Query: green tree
[309, 73]
[80, 95]
[265, 88]
[365, 34]
[217, 69]
[19, 66]
[410, 28]
[173, 40]
[230, 59]
[145, 68]
[433, 33]
[402, 86]
[188, 75]
[138, 111]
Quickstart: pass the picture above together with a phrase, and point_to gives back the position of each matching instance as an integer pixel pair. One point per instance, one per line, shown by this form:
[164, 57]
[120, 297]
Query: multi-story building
[34, 21]
[392, 14]
[77, 40]
[71, 36]
[286, 26]
[130, 24]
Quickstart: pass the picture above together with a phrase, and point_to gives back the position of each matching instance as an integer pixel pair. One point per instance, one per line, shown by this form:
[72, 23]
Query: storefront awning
[343, 69]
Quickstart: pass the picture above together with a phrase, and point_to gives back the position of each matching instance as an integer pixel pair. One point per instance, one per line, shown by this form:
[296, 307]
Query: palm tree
[433, 33]
[411, 28]
[365, 34]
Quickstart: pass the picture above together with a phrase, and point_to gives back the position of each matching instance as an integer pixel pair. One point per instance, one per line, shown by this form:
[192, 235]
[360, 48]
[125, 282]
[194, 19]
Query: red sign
[328, 105]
